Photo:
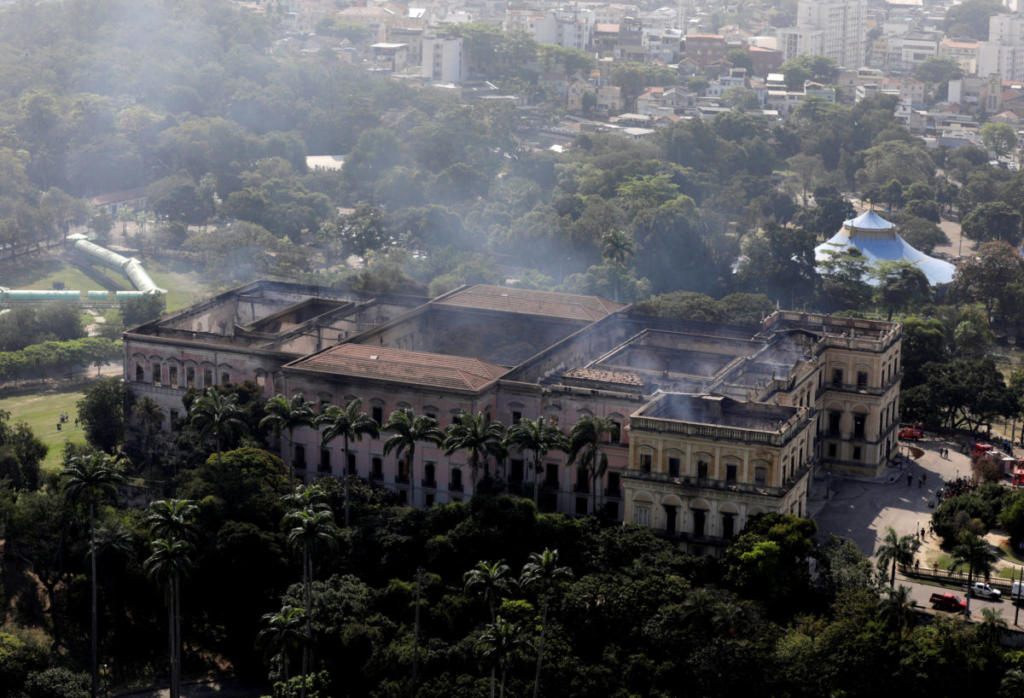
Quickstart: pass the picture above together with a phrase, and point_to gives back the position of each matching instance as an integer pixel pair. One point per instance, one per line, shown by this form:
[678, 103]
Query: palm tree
[897, 610]
[408, 429]
[896, 550]
[311, 497]
[1012, 683]
[992, 626]
[309, 527]
[282, 634]
[585, 439]
[169, 562]
[287, 415]
[617, 249]
[149, 418]
[537, 436]
[541, 574]
[216, 414]
[91, 479]
[350, 424]
[489, 580]
[172, 525]
[979, 557]
[478, 437]
[502, 643]
[172, 519]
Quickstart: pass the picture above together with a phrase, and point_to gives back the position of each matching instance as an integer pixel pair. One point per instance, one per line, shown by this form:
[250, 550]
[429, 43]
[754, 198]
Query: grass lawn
[40, 411]
[41, 272]
[183, 287]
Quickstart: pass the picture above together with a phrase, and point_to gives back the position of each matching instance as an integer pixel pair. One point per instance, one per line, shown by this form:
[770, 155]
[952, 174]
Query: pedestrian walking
[922, 534]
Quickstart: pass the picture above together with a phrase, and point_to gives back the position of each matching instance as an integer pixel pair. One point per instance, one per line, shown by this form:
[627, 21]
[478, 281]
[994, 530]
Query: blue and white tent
[877, 239]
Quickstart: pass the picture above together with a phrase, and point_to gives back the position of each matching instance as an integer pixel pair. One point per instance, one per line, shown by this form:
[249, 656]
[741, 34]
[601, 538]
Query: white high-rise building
[843, 32]
[443, 59]
[1003, 53]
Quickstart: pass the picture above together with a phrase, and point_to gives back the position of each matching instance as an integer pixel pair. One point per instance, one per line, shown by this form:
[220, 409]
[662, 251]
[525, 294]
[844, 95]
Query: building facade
[715, 418]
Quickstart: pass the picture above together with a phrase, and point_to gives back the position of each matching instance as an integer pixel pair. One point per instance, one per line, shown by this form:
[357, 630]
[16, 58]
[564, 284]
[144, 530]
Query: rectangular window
[378, 415]
[352, 464]
[190, 377]
[645, 462]
[456, 480]
[516, 417]
[614, 485]
[673, 467]
[300, 457]
[858, 425]
[837, 376]
[172, 376]
[515, 470]
[862, 379]
[551, 475]
[377, 471]
[856, 453]
[325, 460]
[730, 473]
[728, 525]
[702, 470]
[834, 418]
[157, 373]
[428, 500]
[670, 519]
[760, 476]
[581, 506]
[207, 377]
[698, 522]
[140, 373]
[832, 450]
[225, 378]
[642, 516]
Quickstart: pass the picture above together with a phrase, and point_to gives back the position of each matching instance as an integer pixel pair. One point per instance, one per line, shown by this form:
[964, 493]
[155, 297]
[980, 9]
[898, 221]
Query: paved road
[862, 510]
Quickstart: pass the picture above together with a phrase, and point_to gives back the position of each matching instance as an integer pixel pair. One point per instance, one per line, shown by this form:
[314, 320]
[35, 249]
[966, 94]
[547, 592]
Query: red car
[914, 432]
[948, 602]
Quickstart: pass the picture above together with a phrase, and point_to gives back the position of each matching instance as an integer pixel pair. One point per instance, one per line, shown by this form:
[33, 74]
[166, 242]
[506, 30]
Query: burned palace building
[712, 423]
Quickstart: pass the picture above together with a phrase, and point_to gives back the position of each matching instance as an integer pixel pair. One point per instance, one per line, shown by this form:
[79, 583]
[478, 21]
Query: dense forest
[248, 574]
[201, 103]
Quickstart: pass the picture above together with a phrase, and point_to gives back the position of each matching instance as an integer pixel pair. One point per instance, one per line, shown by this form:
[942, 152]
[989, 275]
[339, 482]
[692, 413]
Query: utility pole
[416, 634]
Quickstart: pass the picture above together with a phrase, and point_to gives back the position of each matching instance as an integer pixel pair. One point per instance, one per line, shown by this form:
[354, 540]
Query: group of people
[63, 418]
[955, 487]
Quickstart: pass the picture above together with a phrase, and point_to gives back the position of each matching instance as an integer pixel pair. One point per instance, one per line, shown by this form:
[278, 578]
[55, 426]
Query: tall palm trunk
[171, 644]
[306, 576]
[176, 665]
[95, 605]
[536, 480]
[291, 458]
[345, 481]
[540, 648]
[412, 476]
[492, 681]
[504, 669]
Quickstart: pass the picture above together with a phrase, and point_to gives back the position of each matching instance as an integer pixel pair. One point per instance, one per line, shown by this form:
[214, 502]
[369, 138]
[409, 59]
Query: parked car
[984, 591]
[948, 602]
[913, 432]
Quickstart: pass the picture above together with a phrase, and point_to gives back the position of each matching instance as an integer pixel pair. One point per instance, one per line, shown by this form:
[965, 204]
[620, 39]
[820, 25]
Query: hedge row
[39, 359]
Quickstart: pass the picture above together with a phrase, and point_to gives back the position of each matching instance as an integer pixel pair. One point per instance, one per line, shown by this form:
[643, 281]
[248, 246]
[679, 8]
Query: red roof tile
[569, 306]
[399, 365]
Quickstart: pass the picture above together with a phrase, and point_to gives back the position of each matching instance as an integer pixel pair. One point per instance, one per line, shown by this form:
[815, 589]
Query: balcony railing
[726, 485]
[431, 483]
[455, 486]
[612, 491]
[402, 479]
